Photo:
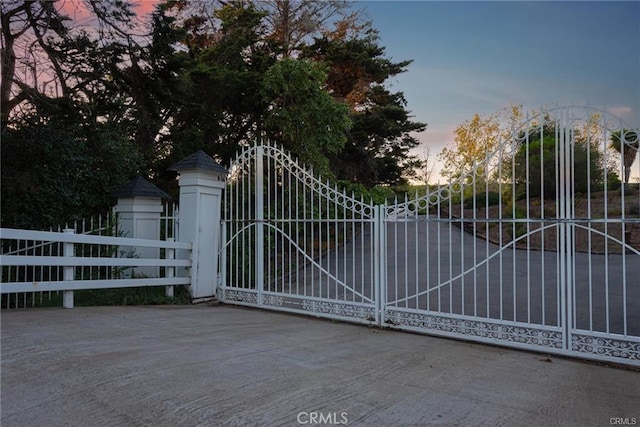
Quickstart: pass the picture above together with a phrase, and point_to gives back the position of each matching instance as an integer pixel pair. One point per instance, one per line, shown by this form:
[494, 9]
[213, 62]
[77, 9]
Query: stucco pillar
[201, 183]
[139, 210]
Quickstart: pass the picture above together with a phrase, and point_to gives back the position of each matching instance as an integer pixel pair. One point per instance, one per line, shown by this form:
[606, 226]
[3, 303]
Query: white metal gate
[294, 243]
[537, 247]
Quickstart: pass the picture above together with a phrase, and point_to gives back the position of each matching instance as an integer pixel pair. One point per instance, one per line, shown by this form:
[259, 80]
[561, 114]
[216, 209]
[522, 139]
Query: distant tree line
[523, 158]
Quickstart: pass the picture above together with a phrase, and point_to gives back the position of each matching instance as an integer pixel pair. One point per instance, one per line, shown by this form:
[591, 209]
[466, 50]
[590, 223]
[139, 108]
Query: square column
[201, 184]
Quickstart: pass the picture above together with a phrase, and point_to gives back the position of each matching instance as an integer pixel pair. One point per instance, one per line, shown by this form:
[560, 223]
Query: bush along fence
[147, 246]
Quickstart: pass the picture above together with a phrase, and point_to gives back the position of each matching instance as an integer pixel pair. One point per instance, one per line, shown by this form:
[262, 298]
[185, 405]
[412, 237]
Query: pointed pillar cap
[139, 187]
[198, 160]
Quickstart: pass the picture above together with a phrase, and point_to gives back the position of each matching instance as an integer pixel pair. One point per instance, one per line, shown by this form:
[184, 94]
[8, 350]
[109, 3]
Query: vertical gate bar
[406, 252]
[272, 217]
[561, 143]
[558, 207]
[439, 249]
[542, 224]
[571, 243]
[346, 241]
[247, 218]
[606, 253]
[378, 252]
[372, 256]
[270, 246]
[450, 239]
[501, 243]
[569, 150]
[528, 198]
[307, 244]
[279, 221]
[514, 236]
[290, 245]
[259, 194]
[277, 218]
[336, 233]
[299, 241]
[395, 253]
[367, 225]
[427, 246]
[312, 241]
[236, 226]
[589, 224]
[305, 237]
[328, 238]
[352, 239]
[417, 251]
[462, 235]
[486, 241]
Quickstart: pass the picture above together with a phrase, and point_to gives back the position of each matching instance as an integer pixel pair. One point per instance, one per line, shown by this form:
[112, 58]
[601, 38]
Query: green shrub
[482, 199]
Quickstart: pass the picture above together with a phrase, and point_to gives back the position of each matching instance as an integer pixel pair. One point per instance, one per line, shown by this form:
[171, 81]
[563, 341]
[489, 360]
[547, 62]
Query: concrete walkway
[229, 366]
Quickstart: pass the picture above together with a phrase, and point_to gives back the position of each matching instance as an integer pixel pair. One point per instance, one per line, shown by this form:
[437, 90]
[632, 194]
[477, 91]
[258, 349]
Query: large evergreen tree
[65, 124]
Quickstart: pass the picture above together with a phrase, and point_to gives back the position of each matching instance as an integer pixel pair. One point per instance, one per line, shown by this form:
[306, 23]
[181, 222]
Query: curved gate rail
[295, 243]
[536, 247]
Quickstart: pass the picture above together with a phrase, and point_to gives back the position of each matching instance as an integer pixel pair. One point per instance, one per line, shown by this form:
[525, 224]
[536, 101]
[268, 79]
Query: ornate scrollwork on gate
[250, 297]
[606, 346]
[273, 300]
[499, 332]
[339, 309]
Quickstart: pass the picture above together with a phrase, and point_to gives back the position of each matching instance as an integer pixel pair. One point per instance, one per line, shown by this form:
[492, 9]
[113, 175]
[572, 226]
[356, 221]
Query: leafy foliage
[53, 174]
[475, 141]
[534, 166]
[102, 102]
[377, 146]
[302, 116]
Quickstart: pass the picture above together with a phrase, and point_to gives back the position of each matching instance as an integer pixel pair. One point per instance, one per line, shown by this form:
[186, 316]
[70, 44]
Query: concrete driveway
[230, 366]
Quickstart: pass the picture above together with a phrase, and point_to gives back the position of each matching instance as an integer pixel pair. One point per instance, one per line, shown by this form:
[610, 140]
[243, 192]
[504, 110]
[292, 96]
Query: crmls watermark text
[627, 421]
[322, 418]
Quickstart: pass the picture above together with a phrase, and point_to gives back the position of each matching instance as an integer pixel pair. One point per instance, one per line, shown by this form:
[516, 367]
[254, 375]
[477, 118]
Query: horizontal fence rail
[37, 261]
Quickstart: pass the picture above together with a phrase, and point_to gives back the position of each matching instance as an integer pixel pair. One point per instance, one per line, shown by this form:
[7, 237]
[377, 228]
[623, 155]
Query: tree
[626, 142]
[65, 119]
[216, 104]
[534, 166]
[56, 172]
[378, 144]
[46, 57]
[291, 24]
[302, 116]
[233, 91]
[475, 140]
[424, 173]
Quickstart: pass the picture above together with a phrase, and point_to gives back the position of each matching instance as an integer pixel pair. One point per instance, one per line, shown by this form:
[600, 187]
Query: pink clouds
[144, 7]
[77, 10]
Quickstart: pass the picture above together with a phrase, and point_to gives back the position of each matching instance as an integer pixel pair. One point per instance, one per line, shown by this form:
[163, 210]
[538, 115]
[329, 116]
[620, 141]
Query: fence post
[68, 271]
[201, 183]
[169, 271]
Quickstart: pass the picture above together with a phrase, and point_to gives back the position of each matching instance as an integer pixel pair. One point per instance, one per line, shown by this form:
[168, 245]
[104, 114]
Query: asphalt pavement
[231, 366]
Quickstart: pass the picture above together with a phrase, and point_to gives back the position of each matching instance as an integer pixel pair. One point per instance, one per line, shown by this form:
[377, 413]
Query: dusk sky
[480, 57]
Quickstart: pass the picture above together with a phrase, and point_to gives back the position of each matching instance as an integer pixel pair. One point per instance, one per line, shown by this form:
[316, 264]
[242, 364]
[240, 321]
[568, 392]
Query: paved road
[229, 366]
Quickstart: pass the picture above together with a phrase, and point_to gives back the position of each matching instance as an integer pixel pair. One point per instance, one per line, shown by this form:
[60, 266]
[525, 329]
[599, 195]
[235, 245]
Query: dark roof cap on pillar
[139, 187]
[198, 160]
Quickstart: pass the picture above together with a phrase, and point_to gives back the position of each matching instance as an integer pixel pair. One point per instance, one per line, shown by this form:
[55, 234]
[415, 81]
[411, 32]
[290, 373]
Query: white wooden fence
[66, 261]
